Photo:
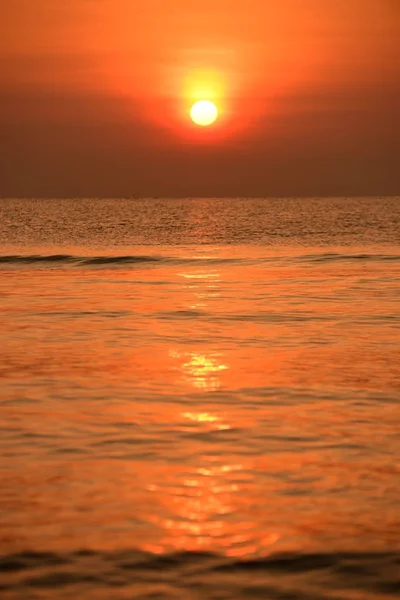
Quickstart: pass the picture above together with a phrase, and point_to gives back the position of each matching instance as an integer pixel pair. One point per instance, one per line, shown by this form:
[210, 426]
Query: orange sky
[303, 87]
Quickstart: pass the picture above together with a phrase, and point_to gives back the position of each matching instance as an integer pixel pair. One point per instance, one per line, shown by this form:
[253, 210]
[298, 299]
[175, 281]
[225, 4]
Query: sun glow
[204, 113]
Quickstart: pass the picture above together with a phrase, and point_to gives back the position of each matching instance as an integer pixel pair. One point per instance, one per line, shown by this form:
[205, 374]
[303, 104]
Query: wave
[333, 257]
[315, 576]
[115, 260]
[69, 259]
[79, 260]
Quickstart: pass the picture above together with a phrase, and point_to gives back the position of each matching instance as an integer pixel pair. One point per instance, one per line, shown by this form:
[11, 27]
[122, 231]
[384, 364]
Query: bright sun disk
[204, 113]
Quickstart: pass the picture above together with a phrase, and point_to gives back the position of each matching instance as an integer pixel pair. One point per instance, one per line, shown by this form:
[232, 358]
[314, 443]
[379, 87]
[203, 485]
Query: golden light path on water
[202, 501]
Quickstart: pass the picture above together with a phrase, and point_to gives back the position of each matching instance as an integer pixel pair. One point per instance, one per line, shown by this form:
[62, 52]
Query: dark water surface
[200, 399]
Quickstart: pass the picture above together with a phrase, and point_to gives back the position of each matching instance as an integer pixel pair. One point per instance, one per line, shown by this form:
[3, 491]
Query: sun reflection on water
[207, 509]
[200, 370]
[208, 505]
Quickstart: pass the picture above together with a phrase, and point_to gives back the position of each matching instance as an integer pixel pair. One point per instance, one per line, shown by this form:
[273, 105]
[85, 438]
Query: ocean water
[200, 399]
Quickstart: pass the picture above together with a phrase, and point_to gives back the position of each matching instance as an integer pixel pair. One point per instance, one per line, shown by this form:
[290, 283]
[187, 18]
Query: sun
[204, 113]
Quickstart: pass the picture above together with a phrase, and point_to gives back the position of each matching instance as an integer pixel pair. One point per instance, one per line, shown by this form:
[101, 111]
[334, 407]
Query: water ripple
[134, 574]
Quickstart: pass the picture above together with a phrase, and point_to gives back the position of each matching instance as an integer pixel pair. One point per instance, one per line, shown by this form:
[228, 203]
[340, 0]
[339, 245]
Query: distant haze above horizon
[95, 98]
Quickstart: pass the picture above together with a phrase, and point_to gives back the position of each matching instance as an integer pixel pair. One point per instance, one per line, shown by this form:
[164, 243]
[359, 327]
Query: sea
[200, 399]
